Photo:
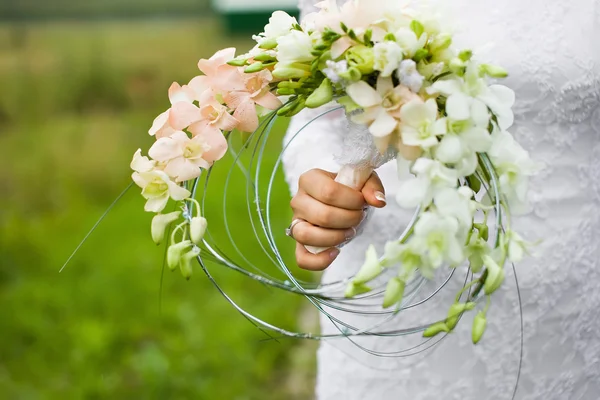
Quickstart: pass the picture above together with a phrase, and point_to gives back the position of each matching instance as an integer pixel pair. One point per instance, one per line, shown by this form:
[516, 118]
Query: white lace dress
[552, 51]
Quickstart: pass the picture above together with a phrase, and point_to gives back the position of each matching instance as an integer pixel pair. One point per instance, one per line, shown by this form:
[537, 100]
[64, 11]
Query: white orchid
[409, 76]
[513, 166]
[449, 202]
[411, 256]
[467, 96]
[388, 55]
[157, 188]
[431, 176]
[439, 234]
[420, 125]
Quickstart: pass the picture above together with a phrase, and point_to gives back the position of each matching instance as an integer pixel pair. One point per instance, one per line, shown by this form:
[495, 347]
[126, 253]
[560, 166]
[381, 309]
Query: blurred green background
[80, 83]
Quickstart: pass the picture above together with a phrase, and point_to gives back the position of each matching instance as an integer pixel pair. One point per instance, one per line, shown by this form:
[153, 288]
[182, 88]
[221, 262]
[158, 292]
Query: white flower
[517, 247]
[387, 57]
[279, 25]
[513, 166]
[450, 203]
[409, 76]
[157, 187]
[335, 69]
[440, 237]
[141, 163]
[410, 256]
[468, 95]
[294, 47]
[419, 125]
[409, 42]
[432, 176]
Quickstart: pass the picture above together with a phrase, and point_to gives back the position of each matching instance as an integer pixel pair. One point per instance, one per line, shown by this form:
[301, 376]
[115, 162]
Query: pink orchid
[218, 75]
[381, 107]
[177, 94]
[184, 157]
[255, 91]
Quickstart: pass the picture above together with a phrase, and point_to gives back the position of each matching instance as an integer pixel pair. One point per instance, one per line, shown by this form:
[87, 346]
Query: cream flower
[382, 107]
[409, 42]
[419, 124]
[157, 188]
[141, 163]
[409, 76]
[184, 157]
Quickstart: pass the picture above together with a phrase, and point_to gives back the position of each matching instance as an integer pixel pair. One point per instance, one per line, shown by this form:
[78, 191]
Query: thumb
[373, 192]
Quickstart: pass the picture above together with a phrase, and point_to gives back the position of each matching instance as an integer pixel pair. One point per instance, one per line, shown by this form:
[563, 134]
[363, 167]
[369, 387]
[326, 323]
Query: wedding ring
[289, 231]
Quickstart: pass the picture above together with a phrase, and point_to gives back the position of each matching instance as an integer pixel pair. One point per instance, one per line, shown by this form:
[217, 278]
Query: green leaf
[417, 28]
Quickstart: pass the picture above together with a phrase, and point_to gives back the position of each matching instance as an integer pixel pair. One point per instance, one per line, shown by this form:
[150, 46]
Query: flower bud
[417, 28]
[322, 95]
[354, 289]
[493, 71]
[371, 267]
[197, 229]
[457, 66]
[484, 231]
[393, 292]
[479, 325]
[441, 42]
[160, 223]
[264, 57]
[455, 312]
[362, 58]
[291, 71]
[174, 253]
[268, 44]
[465, 55]
[495, 275]
[254, 67]
[435, 329]
[421, 54]
[352, 74]
[238, 62]
[185, 265]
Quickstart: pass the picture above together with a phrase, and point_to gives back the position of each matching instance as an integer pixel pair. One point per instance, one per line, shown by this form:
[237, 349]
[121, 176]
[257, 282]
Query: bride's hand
[330, 212]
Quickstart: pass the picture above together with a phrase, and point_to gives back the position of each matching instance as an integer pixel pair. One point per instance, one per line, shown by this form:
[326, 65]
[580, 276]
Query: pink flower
[184, 157]
[161, 126]
[381, 107]
[255, 91]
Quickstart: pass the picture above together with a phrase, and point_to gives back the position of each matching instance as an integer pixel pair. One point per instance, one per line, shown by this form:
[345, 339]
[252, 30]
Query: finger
[373, 192]
[315, 262]
[323, 215]
[310, 235]
[321, 186]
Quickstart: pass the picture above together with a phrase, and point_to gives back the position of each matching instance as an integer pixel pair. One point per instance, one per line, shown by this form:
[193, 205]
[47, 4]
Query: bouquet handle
[351, 176]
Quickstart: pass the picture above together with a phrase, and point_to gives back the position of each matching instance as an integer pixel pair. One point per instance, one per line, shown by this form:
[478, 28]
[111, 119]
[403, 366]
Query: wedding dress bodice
[552, 51]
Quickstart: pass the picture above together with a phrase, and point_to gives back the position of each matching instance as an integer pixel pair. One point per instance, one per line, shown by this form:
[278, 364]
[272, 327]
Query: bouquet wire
[398, 75]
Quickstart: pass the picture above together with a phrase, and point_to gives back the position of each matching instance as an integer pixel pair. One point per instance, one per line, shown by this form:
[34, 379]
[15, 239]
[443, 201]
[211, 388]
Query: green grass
[76, 101]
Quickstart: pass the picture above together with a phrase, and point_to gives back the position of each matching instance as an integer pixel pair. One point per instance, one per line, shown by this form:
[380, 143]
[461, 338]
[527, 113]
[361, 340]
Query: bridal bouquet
[397, 74]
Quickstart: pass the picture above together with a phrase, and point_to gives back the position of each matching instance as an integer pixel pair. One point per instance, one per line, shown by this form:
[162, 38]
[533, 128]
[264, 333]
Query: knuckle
[301, 234]
[323, 218]
[328, 193]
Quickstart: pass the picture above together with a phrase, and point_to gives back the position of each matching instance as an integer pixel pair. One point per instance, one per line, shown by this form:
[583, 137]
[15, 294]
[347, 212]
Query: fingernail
[350, 233]
[380, 196]
[334, 253]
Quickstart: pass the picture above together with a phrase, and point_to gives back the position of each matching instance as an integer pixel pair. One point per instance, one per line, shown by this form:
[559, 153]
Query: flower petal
[157, 204]
[177, 192]
[339, 47]
[268, 100]
[246, 115]
[183, 114]
[413, 193]
[450, 149]
[458, 106]
[384, 85]
[165, 149]
[363, 94]
[383, 125]
[447, 87]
